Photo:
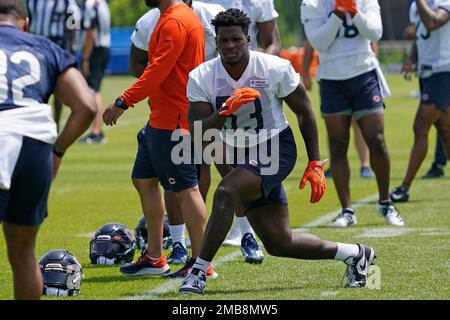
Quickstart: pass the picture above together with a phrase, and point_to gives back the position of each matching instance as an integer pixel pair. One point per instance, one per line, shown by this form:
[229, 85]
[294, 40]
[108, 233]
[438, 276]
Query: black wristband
[57, 151]
[120, 103]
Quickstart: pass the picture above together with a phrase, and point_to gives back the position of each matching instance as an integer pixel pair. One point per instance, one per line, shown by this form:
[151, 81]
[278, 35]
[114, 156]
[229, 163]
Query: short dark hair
[231, 17]
[14, 7]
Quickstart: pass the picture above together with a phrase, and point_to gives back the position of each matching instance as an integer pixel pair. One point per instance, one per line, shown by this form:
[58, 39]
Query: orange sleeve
[168, 49]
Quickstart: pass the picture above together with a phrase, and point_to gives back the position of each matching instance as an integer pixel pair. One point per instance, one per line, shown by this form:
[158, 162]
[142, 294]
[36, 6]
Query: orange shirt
[176, 47]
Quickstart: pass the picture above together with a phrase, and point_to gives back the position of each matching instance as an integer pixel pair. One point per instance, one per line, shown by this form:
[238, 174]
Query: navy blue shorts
[271, 188]
[153, 160]
[25, 203]
[357, 97]
[436, 90]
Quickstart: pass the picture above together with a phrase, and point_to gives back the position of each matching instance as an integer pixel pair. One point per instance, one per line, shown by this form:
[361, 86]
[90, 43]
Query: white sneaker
[234, 238]
[346, 218]
[390, 213]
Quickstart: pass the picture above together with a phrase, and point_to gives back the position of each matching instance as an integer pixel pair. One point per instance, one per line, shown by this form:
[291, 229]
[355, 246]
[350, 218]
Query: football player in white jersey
[351, 85]
[146, 24]
[263, 23]
[243, 234]
[431, 54]
[243, 91]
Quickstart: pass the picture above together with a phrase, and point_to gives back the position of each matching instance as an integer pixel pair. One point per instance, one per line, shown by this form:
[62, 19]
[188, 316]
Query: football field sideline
[174, 284]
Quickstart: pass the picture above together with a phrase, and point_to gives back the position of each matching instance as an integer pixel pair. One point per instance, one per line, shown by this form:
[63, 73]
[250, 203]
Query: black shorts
[271, 187]
[154, 160]
[357, 97]
[436, 90]
[97, 66]
[25, 203]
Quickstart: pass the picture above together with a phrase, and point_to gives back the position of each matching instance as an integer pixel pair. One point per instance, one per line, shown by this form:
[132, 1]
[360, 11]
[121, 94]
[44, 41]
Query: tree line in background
[125, 13]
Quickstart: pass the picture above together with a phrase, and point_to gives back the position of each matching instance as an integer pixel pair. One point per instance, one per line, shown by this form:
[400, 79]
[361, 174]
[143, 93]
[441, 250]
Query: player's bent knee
[224, 195]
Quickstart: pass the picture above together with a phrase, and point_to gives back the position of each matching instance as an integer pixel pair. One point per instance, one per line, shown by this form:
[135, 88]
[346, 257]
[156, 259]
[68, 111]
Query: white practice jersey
[97, 15]
[433, 47]
[205, 11]
[273, 77]
[257, 10]
[343, 46]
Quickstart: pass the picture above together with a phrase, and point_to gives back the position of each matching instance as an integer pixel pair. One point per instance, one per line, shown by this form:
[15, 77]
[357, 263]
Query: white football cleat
[390, 213]
[346, 218]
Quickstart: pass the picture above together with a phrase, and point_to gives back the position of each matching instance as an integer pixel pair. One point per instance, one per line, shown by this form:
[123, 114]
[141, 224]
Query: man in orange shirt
[176, 47]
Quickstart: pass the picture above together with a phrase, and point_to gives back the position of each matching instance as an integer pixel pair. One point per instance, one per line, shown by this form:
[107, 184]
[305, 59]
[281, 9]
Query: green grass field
[94, 187]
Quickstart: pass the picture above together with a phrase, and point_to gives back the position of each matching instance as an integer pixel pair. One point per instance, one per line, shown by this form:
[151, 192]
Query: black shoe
[400, 194]
[434, 173]
[358, 267]
[186, 269]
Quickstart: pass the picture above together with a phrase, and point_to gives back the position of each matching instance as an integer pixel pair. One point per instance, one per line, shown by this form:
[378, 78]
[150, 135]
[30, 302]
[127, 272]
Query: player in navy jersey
[31, 69]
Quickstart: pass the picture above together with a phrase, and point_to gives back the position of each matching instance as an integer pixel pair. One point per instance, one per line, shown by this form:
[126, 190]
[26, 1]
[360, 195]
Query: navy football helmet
[113, 243]
[62, 273]
[142, 234]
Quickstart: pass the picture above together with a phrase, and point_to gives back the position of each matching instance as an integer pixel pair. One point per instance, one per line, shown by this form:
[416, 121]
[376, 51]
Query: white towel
[10, 146]
[384, 88]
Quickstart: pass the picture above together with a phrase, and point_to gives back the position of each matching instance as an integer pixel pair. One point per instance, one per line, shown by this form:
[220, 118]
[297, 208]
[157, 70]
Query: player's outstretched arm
[300, 104]
[298, 101]
[73, 91]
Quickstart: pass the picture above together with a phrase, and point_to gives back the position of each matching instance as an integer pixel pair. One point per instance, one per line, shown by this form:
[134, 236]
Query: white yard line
[172, 285]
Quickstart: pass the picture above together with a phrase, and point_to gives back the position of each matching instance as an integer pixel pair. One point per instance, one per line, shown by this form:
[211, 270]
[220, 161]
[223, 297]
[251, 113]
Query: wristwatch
[120, 103]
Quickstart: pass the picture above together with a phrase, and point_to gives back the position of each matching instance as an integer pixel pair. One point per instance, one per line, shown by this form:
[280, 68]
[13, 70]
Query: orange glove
[314, 174]
[238, 98]
[346, 5]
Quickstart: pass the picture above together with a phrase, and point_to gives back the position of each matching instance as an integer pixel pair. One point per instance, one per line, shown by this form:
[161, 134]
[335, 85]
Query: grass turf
[93, 187]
